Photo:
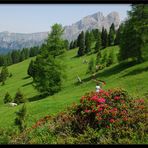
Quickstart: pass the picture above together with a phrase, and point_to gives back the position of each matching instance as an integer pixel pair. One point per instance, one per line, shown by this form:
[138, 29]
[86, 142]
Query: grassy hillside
[126, 75]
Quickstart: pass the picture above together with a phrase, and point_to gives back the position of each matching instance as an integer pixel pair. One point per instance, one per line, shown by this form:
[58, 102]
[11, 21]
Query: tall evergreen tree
[31, 69]
[87, 42]
[118, 35]
[111, 35]
[71, 45]
[20, 120]
[48, 74]
[104, 37]
[98, 43]
[4, 74]
[81, 44]
[91, 66]
[134, 34]
[75, 44]
[19, 97]
[7, 98]
[55, 43]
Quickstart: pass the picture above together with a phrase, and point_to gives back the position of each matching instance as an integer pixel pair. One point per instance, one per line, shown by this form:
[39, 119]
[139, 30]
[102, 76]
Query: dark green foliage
[20, 120]
[33, 51]
[104, 59]
[98, 43]
[110, 59]
[111, 35]
[66, 44]
[71, 45]
[98, 57]
[48, 74]
[31, 69]
[134, 34]
[7, 98]
[130, 44]
[81, 44]
[2, 60]
[19, 97]
[4, 74]
[104, 38]
[87, 42]
[91, 66]
[118, 35]
[55, 44]
[15, 55]
[75, 44]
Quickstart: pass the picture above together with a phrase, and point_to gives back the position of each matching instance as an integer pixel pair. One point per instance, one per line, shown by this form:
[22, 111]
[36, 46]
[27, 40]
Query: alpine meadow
[81, 84]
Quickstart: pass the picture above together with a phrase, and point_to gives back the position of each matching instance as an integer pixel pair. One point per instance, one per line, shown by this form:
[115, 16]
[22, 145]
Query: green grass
[126, 75]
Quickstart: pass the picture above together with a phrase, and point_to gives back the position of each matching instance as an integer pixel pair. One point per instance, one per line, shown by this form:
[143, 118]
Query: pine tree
[134, 34]
[55, 43]
[118, 34]
[104, 38]
[104, 58]
[4, 74]
[98, 57]
[98, 43]
[111, 35]
[7, 98]
[87, 42]
[66, 44]
[31, 69]
[48, 74]
[71, 45]
[19, 97]
[81, 44]
[91, 66]
[75, 44]
[20, 120]
[110, 59]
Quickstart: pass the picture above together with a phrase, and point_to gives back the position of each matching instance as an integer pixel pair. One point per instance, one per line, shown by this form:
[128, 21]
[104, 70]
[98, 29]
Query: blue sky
[29, 18]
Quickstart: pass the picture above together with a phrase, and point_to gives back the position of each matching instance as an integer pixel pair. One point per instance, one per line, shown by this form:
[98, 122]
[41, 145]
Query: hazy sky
[29, 18]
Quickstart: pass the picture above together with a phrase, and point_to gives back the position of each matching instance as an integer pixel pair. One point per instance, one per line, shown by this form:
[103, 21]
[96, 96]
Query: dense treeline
[134, 33]
[102, 39]
[16, 56]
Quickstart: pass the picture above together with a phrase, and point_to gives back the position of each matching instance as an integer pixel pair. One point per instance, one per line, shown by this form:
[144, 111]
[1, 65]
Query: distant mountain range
[10, 41]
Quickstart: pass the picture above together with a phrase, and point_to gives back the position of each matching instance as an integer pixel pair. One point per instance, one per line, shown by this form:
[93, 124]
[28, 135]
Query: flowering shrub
[107, 109]
[107, 117]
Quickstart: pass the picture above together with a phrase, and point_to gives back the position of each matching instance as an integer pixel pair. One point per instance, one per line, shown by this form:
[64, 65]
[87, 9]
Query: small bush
[19, 97]
[7, 98]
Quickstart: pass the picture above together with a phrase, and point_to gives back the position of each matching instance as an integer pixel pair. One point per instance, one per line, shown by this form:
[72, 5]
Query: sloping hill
[126, 75]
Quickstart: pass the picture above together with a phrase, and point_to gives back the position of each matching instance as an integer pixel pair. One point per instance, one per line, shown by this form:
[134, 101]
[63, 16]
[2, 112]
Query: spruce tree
[81, 44]
[91, 66]
[31, 69]
[104, 37]
[111, 35]
[135, 33]
[4, 74]
[98, 43]
[20, 120]
[7, 98]
[19, 97]
[48, 74]
[87, 42]
[55, 44]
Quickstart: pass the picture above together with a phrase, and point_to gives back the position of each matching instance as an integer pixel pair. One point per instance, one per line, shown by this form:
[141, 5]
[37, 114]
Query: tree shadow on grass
[136, 71]
[27, 77]
[112, 71]
[37, 97]
[27, 84]
[76, 56]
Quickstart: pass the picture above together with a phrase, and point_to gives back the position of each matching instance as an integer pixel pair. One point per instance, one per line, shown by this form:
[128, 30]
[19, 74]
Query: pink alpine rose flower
[101, 100]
